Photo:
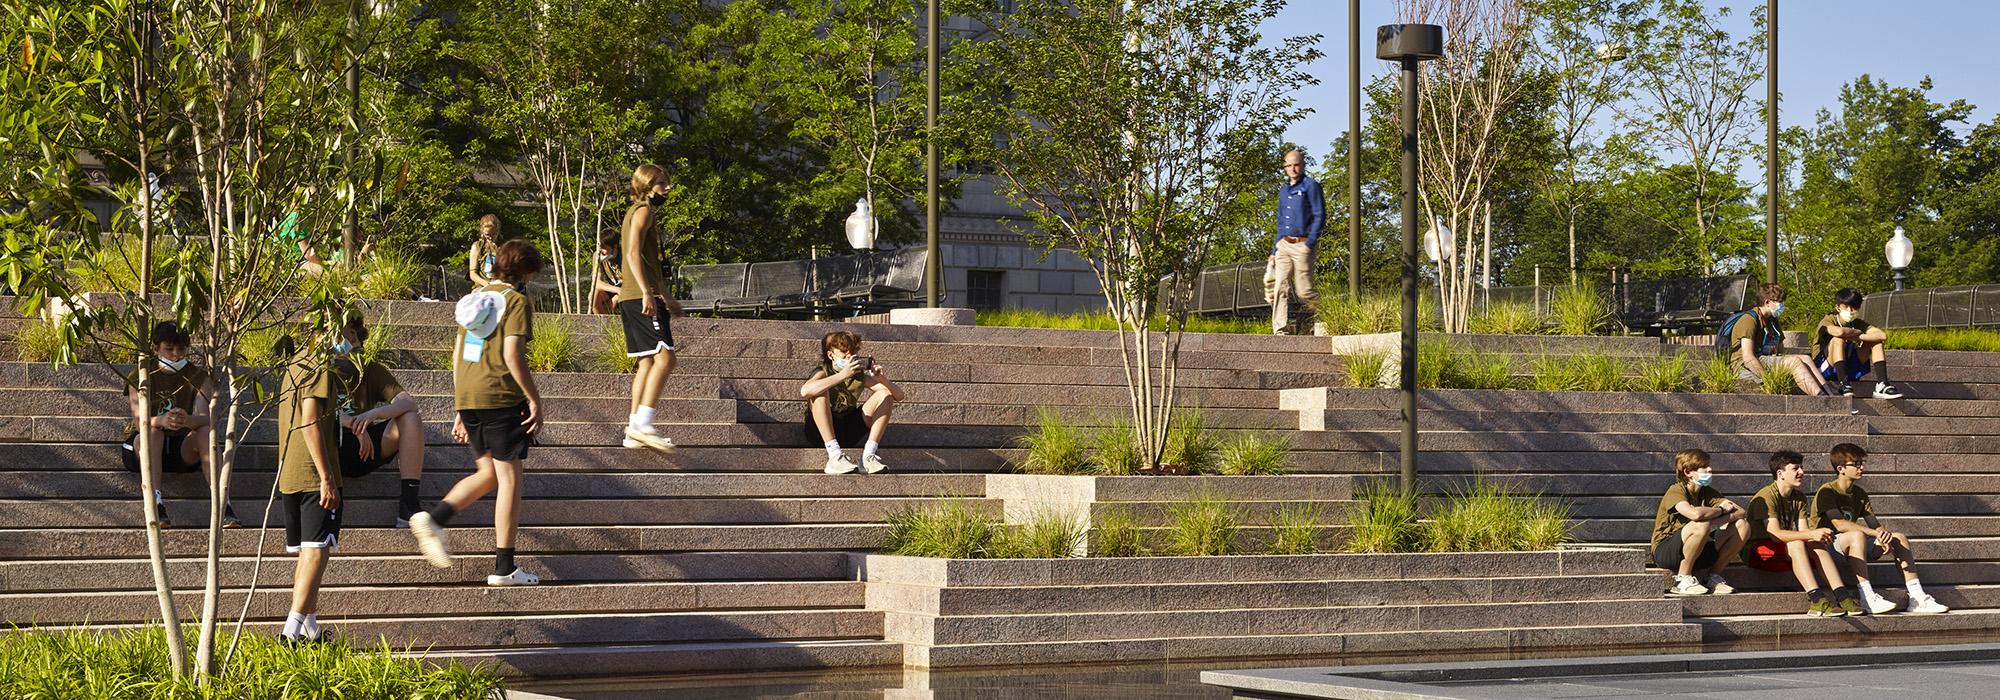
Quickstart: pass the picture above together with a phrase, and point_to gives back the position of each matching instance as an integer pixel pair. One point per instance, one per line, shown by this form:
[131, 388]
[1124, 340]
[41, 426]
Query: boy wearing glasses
[1843, 506]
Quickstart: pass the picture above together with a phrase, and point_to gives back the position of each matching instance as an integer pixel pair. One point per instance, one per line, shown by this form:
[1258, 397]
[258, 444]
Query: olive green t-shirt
[1667, 520]
[645, 265]
[1790, 510]
[1851, 505]
[361, 390]
[613, 275]
[486, 383]
[308, 378]
[484, 255]
[1821, 338]
[1748, 327]
[169, 390]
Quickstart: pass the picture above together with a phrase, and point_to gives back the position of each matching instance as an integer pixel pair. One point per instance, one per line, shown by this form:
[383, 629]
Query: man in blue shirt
[1301, 213]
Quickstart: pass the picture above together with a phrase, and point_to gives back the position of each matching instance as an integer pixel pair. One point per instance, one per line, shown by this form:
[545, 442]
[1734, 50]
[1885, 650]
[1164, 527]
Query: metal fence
[1964, 306]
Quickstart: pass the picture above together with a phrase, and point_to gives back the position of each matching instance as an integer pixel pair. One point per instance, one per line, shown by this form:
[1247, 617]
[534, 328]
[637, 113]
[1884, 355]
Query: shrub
[1506, 318]
[1047, 535]
[1484, 517]
[1442, 364]
[1190, 445]
[85, 664]
[1296, 530]
[1256, 454]
[1778, 381]
[1384, 521]
[947, 530]
[1664, 374]
[554, 349]
[1364, 369]
[1344, 315]
[1601, 372]
[388, 275]
[1113, 533]
[611, 355]
[259, 347]
[1553, 373]
[1578, 309]
[1955, 339]
[1717, 376]
[1578, 373]
[1115, 450]
[37, 341]
[1054, 446]
[1203, 525]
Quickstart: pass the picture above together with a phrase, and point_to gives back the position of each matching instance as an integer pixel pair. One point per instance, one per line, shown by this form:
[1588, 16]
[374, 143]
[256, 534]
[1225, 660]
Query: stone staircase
[735, 553]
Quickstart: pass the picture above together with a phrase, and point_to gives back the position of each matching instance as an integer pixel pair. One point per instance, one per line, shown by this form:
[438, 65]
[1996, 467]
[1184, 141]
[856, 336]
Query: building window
[984, 288]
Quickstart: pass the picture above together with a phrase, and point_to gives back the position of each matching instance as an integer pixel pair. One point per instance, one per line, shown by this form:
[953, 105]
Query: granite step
[470, 568]
[1340, 593]
[608, 660]
[1959, 597]
[471, 632]
[1154, 571]
[1072, 626]
[192, 513]
[444, 460]
[44, 545]
[555, 487]
[1745, 627]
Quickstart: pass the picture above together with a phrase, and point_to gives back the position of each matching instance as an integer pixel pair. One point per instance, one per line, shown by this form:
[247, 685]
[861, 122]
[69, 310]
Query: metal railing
[1964, 306]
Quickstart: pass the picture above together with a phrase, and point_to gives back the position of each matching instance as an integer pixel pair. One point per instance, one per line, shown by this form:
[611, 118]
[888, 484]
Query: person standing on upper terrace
[1301, 213]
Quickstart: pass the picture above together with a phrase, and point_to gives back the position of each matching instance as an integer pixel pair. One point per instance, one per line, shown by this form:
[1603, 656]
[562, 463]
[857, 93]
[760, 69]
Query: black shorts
[308, 526]
[498, 431]
[646, 335]
[351, 463]
[1667, 554]
[849, 427]
[170, 457]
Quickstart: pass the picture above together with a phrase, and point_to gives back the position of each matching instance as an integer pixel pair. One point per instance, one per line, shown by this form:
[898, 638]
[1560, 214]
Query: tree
[1127, 130]
[1577, 46]
[1467, 94]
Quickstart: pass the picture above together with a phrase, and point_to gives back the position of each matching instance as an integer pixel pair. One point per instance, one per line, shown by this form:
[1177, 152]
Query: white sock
[159, 497]
[1915, 587]
[832, 449]
[310, 626]
[292, 624]
[869, 449]
[643, 418]
[1867, 590]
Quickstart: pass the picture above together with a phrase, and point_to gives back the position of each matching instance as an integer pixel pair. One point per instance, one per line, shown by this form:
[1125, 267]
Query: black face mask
[658, 199]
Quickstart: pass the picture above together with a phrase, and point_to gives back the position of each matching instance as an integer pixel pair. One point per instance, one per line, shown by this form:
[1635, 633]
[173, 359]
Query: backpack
[1768, 340]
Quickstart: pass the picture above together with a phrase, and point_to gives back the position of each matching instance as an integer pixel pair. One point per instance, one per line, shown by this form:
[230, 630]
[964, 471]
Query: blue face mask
[840, 364]
[1778, 309]
[343, 347]
[1703, 479]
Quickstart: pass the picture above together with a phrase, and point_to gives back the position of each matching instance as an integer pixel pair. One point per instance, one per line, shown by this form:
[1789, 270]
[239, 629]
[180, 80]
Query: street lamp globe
[1439, 243]
[861, 226]
[1899, 250]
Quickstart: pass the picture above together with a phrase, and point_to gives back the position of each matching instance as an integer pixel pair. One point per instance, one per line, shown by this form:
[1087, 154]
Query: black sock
[1841, 593]
[442, 513]
[408, 496]
[1882, 371]
[229, 512]
[1815, 595]
[503, 561]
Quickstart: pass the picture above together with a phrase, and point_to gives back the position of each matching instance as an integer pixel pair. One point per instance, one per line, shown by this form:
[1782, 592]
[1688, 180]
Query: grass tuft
[1054, 446]
[1115, 450]
[1505, 318]
[1190, 445]
[611, 355]
[1717, 376]
[1778, 382]
[947, 530]
[1256, 454]
[388, 275]
[1664, 374]
[1385, 521]
[1113, 533]
[1484, 517]
[37, 341]
[1364, 369]
[1048, 534]
[1202, 525]
[554, 348]
[1579, 309]
[1296, 530]
[1953, 339]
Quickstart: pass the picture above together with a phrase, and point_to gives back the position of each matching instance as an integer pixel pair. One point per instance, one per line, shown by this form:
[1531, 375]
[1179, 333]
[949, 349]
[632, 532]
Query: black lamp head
[1399, 42]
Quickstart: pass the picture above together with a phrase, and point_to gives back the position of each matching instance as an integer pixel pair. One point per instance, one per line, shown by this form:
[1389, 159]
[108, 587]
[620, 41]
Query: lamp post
[1771, 144]
[1408, 45]
[932, 265]
[1899, 250]
[1354, 150]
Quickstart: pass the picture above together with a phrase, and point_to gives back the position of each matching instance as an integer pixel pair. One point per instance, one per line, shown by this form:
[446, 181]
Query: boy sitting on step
[1696, 527]
[378, 420]
[836, 411]
[1778, 514]
[1843, 505]
[1846, 348]
[178, 429]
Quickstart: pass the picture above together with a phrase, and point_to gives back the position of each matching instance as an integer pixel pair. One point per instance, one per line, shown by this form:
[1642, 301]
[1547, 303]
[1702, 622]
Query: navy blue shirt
[1301, 211]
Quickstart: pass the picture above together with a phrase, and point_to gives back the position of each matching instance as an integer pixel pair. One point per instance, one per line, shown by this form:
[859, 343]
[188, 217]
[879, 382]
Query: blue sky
[1823, 44]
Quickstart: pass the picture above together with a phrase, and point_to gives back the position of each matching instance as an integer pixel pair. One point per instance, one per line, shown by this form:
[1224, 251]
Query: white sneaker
[1877, 605]
[871, 464]
[636, 438]
[1926, 605]
[840, 465]
[1884, 391]
[1718, 586]
[520, 577]
[1686, 586]
[430, 540]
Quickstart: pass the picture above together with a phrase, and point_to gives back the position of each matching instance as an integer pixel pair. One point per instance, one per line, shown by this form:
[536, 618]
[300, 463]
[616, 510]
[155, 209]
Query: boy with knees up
[379, 422]
[1779, 540]
[1843, 506]
[1847, 348]
[837, 411]
[1695, 527]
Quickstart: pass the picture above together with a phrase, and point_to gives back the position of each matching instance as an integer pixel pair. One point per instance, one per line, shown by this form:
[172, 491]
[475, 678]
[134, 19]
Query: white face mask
[174, 365]
[1846, 315]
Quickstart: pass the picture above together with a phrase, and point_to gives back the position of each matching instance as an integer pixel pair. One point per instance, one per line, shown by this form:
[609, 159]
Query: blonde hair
[644, 179]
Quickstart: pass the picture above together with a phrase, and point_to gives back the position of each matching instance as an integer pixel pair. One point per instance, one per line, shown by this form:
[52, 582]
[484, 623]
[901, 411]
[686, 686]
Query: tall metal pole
[1771, 145]
[1409, 354]
[1354, 149]
[932, 264]
[351, 223]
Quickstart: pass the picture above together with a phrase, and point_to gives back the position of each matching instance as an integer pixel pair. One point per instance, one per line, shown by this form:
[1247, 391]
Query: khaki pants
[1294, 275]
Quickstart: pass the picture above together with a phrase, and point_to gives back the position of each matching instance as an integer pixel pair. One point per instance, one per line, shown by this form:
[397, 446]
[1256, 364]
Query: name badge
[474, 348]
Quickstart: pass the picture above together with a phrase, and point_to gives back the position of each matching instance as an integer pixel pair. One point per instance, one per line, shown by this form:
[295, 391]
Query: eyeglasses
[1856, 465]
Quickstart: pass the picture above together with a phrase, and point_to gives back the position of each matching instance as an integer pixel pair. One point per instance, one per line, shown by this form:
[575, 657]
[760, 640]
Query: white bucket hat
[479, 312]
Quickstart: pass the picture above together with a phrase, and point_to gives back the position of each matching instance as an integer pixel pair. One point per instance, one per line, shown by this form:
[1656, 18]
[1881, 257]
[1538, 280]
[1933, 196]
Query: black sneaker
[229, 520]
[1846, 389]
